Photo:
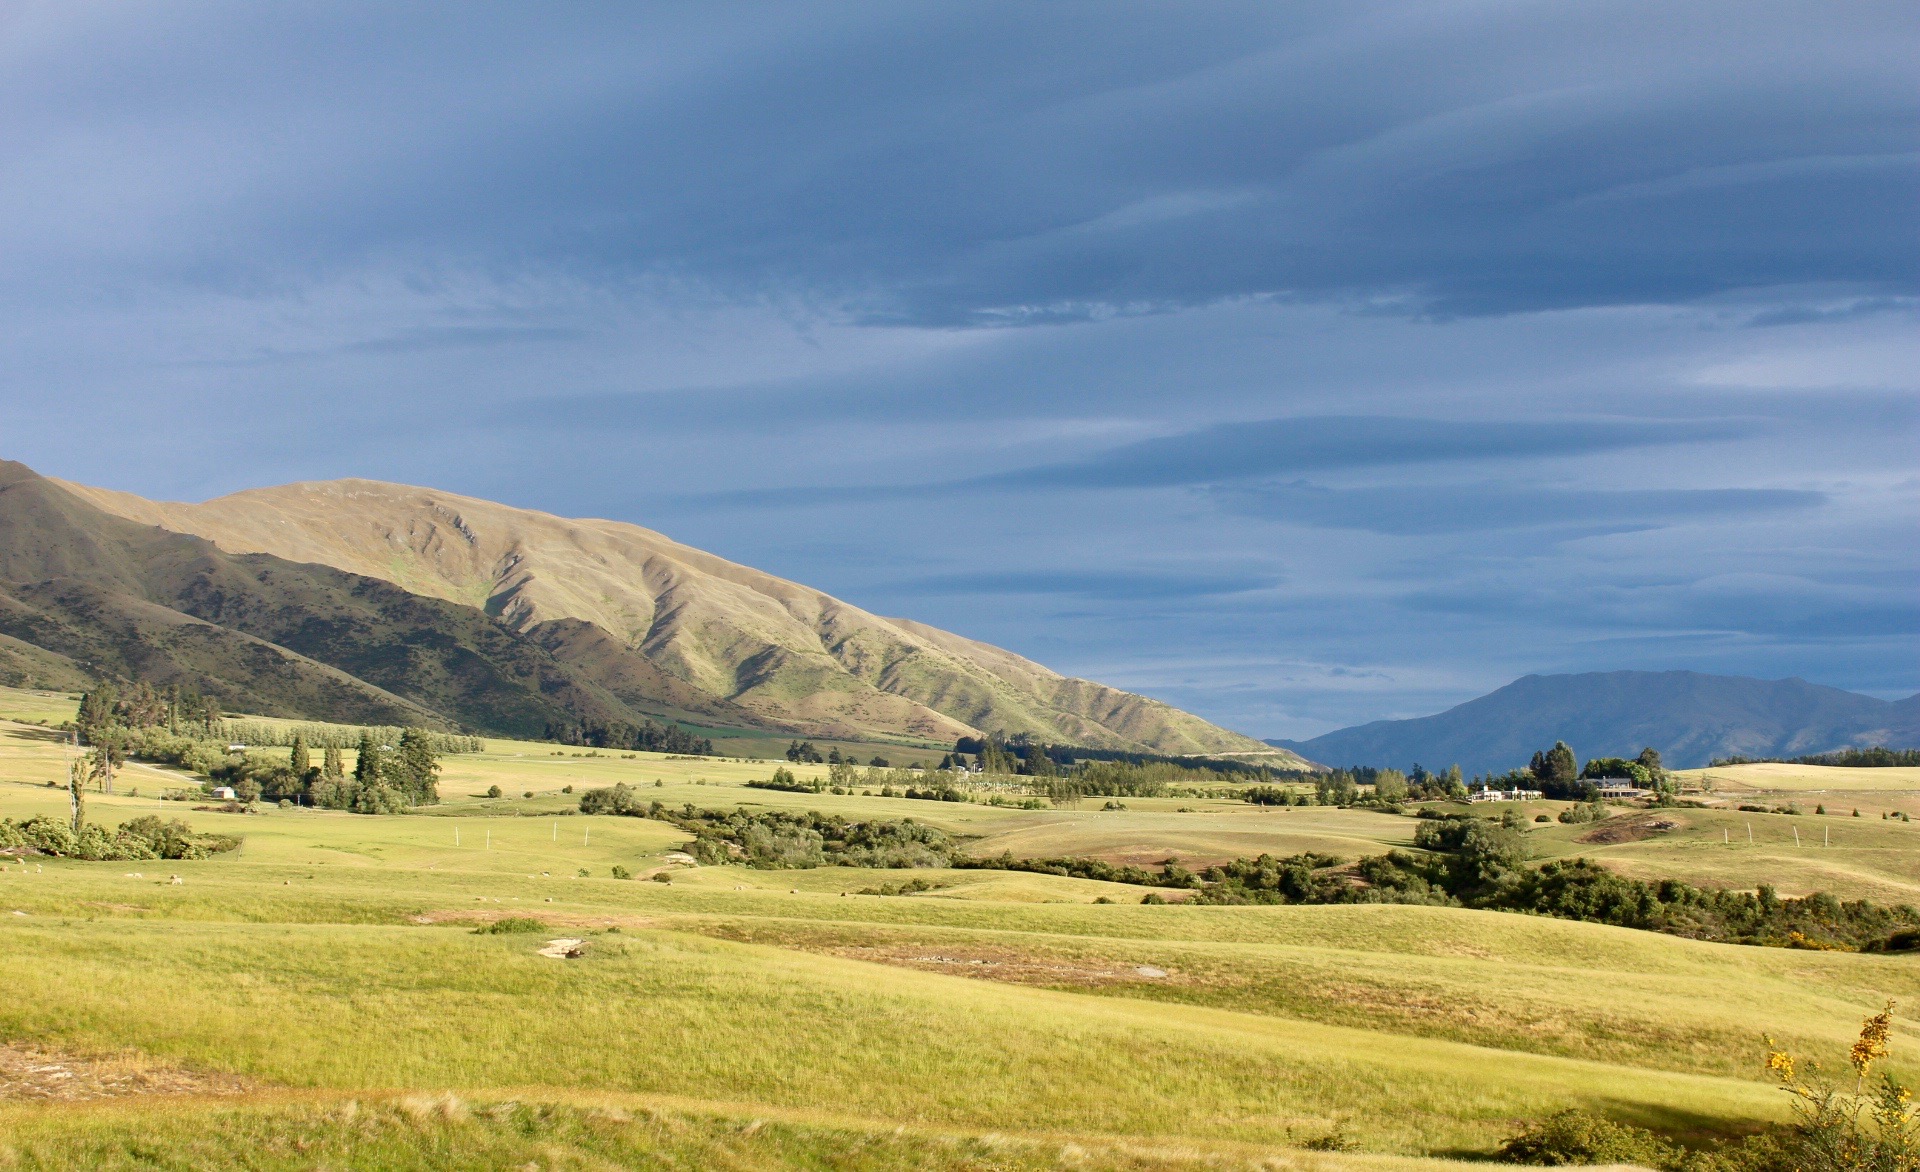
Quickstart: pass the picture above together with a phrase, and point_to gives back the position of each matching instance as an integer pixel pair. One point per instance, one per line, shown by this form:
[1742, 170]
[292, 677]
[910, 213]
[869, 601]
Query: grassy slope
[730, 637]
[778, 995]
[1771, 777]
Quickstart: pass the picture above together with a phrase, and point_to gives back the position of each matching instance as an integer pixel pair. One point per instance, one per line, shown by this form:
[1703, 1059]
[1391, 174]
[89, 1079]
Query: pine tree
[367, 763]
[417, 768]
[96, 712]
[298, 758]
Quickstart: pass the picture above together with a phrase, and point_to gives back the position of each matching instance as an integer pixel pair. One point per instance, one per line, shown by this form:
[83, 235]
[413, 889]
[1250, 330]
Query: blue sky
[1299, 364]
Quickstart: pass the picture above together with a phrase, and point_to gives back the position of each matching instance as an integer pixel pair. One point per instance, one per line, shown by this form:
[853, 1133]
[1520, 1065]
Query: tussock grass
[334, 957]
[447, 1132]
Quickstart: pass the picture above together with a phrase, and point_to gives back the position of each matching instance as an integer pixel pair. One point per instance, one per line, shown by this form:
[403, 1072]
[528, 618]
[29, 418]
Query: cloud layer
[1299, 364]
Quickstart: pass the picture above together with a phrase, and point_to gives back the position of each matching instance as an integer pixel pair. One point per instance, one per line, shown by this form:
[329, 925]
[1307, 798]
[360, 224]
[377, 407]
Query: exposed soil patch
[1631, 828]
[32, 1074]
[478, 916]
[993, 964]
[565, 948]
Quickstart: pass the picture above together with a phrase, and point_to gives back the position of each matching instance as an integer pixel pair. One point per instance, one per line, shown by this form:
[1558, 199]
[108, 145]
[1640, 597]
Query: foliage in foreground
[421, 1133]
[146, 837]
[1872, 1126]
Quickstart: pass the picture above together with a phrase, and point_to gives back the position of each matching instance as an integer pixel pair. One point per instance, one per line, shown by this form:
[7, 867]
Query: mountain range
[1690, 717]
[383, 603]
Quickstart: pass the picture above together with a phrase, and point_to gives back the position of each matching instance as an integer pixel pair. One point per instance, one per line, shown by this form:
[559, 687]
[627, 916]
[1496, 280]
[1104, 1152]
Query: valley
[330, 969]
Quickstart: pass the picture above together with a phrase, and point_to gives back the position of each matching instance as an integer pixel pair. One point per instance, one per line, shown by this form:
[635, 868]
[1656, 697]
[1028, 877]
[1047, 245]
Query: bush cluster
[146, 837]
[776, 839]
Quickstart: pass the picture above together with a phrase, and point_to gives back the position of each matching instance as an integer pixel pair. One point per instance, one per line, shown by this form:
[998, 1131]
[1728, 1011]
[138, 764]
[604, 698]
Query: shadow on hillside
[33, 732]
[1689, 1128]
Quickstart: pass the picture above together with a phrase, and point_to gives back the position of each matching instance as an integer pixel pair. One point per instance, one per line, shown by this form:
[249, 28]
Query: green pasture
[285, 1132]
[738, 1018]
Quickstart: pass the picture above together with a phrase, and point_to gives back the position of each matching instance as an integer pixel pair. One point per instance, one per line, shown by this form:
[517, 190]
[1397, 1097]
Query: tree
[109, 753]
[332, 768]
[416, 768]
[1336, 788]
[76, 793]
[96, 712]
[297, 759]
[1390, 785]
[368, 766]
[1650, 759]
[1556, 765]
[141, 707]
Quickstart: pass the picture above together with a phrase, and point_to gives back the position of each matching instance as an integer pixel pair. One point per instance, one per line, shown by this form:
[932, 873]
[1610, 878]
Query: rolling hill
[500, 618]
[1688, 716]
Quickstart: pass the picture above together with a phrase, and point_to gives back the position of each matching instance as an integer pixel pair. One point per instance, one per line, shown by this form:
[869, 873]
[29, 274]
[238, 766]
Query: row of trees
[141, 705]
[384, 778]
[645, 737]
[1020, 755]
[807, 753]
[1877, 757]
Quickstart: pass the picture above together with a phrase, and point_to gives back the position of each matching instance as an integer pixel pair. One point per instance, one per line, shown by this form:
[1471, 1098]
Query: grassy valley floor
[322, 997]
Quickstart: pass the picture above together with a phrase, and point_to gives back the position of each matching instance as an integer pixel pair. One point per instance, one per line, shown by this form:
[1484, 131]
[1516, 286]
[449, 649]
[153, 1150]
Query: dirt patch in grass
[34, 1074]
[481, 917]
[998, 964]
[1631, 828]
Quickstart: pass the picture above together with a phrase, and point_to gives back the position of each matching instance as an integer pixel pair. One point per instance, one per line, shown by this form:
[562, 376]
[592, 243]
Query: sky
[1297, 364]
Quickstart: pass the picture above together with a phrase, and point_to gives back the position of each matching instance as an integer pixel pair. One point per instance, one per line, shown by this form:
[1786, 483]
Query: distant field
[1783, 778]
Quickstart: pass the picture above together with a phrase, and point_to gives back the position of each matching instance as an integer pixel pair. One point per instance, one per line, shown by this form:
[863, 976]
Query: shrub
[493, 791]
[510, 925]
[1575, 1137]
[620, 872]
[662, 877]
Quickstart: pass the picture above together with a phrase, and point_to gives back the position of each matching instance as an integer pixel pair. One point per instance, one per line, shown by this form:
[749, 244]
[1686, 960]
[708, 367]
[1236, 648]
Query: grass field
[1771, 777]
[326, 984]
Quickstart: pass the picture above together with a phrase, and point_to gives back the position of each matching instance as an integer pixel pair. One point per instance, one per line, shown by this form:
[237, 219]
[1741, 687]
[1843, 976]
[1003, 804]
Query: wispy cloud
[1463, 508]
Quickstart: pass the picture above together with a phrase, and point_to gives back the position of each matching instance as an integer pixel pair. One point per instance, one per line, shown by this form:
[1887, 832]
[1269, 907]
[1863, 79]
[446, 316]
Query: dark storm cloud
[1012, 163]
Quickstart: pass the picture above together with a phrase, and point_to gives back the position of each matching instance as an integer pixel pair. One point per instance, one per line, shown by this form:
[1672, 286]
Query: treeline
[1152, 779]
[1877, 757]
[777, 840]
[265, 735]
[645, 737]
[1022, 756]
[386, 778]
[807, 753]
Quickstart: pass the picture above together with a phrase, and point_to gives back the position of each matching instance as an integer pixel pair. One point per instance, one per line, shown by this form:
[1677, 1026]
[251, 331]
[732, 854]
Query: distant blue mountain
[1688, 716]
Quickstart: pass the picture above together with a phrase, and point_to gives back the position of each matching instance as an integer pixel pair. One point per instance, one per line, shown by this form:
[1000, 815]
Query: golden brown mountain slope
[684, 632]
